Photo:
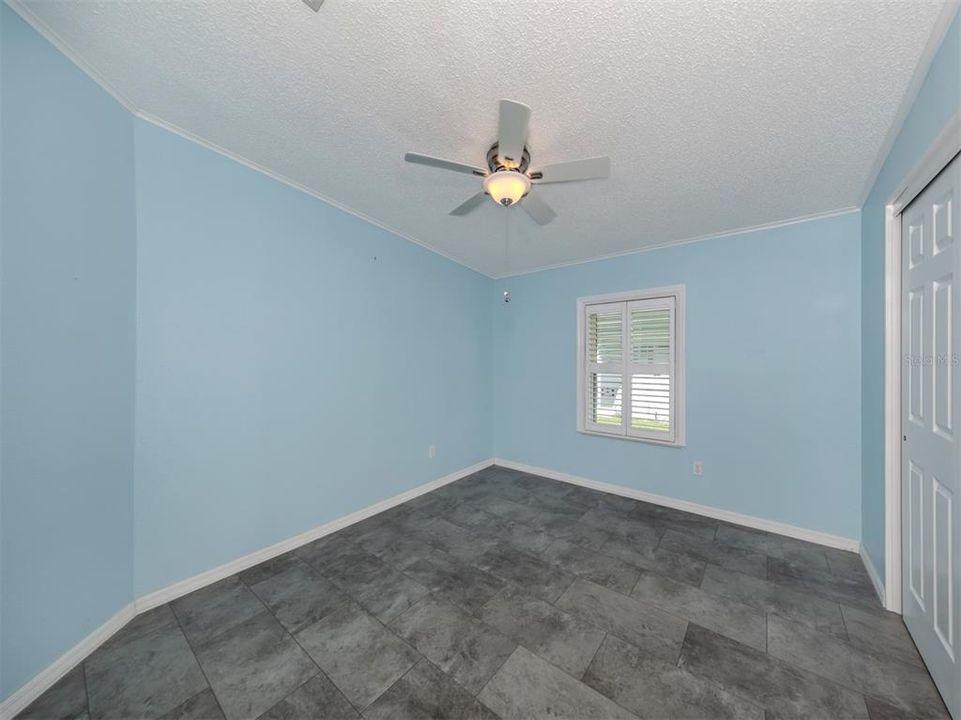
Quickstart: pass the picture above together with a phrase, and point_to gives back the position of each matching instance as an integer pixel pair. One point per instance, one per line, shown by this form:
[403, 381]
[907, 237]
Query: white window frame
[675, 292]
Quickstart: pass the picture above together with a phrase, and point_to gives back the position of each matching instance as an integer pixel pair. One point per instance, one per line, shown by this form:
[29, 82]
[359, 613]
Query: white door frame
[939, 154]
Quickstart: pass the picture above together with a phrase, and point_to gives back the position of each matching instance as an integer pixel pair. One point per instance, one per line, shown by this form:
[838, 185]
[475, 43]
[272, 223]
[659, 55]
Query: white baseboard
[183, 587]
[45, 679]
[872, 573]
[793, 531]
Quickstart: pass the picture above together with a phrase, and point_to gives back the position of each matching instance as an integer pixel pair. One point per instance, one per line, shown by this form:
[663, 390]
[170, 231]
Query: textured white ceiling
[717, 115]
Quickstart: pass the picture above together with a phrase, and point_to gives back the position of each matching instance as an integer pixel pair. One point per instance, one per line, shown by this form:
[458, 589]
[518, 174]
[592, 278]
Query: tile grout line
[532, 651]
[587, 668]
[557, 667]
[376, 618]
[827, 679]
[766, 579]
[844, 685]
[630, 595]
[473, 615]
[494, 674]
[403, 675]
[680, 655]
[284, 698]
[767, 633]
[86, 689]
[779, 660]
[555, 539]
[771, 658]
[844, 622]
[420, 655]
[351, 599]
[320, 670]
[193, 652]
[850, 645]
[277, 620]
[553, 603]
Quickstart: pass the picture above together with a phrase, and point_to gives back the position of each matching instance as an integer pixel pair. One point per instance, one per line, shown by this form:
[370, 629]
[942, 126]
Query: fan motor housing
[494, 164]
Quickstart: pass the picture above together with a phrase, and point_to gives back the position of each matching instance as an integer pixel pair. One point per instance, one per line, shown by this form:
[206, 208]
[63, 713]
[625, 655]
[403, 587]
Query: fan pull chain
[507, 250]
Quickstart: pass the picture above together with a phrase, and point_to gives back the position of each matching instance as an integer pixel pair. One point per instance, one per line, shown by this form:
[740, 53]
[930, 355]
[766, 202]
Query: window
[630, 367]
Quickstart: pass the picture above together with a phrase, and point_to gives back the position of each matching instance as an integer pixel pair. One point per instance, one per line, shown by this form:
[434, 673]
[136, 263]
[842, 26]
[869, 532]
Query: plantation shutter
[650, 405]
[604, 375]
[629, 368]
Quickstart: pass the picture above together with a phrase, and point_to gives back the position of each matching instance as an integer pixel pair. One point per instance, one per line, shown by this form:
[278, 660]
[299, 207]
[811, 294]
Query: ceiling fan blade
[444, 164]
[586, 169]
[469, 204]
[512, 132]
[314, 4]
[538, 209]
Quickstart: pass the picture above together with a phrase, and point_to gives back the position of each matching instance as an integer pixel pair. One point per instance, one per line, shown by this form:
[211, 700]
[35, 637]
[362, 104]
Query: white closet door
[931, 453]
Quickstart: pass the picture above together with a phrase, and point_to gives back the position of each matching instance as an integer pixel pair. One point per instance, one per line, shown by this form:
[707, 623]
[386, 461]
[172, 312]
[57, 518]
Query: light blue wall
[294, 362]
[938, 100]
[3, 16]
[68, 338]
[773, 366]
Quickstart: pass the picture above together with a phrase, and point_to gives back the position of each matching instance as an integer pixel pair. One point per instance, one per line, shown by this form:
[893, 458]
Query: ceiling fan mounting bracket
[494, 163]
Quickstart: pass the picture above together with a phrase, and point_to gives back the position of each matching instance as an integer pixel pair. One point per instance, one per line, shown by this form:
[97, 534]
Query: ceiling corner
[949, 9]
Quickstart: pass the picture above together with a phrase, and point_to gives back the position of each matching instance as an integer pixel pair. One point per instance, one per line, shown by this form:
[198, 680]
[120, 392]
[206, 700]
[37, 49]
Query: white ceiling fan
[507, 179]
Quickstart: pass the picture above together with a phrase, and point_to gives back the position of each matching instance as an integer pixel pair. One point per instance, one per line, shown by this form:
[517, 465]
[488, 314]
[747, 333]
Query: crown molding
[246, 162]
[941, 25]
[27, 15]
[23, 10]
[688, 241]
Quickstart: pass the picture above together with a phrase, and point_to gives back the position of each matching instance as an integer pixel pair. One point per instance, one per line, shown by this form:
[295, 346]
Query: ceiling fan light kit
[507, 187]
[507, 180]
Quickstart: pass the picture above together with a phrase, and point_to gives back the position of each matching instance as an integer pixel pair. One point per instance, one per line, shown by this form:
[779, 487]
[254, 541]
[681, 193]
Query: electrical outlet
[698, 467]
[431, 451]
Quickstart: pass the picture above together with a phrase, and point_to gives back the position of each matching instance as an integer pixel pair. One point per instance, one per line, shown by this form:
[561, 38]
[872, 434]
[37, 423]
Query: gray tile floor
[513, 596]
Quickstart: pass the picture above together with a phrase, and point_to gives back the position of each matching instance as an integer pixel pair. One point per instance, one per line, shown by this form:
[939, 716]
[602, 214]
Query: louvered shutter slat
[605, 337]
[605, 392]
[651, 356]
[605, 358]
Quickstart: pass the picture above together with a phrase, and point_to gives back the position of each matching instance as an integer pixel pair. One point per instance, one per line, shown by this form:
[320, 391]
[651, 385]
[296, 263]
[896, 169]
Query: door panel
[942, 595]
[931, 452]
[915, 532]
[916, 372]
[941, 390]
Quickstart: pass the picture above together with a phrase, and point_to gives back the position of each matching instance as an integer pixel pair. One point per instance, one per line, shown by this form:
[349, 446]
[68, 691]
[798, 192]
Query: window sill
[649, 441]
